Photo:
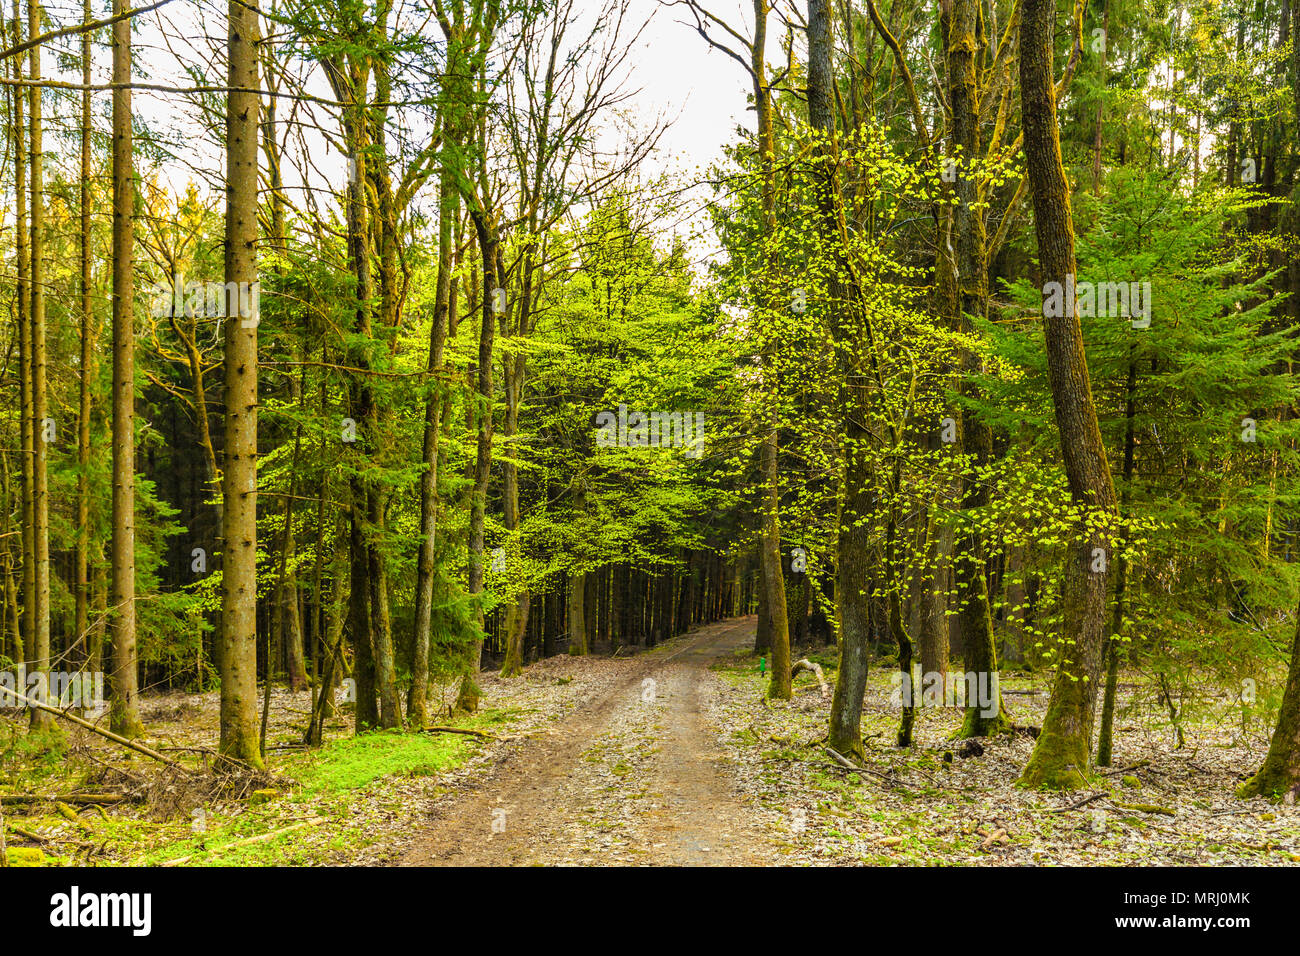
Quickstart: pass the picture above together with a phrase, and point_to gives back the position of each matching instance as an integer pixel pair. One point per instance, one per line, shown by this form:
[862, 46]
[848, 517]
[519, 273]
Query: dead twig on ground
[847, 764]
[1136, 766]
[459, 730]
[261, 838]
[1081, 803]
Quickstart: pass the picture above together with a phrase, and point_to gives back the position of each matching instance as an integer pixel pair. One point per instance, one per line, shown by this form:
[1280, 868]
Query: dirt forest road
[633, 777]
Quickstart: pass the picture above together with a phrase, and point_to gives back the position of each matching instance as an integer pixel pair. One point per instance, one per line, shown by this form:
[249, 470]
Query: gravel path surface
[632, 776]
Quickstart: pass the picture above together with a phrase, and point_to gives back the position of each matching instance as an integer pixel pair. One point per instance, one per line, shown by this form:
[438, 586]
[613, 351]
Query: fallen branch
[78, 798]
[1137, 766]
[29, 835]
[207, 752]
[847, 764]
[107, 766]
[261, 838]
[1145, 808]
[806, 665]
[458, 730]
[1081, 803]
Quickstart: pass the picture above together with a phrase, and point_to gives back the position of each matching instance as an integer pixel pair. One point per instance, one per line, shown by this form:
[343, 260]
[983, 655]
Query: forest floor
[671, 756]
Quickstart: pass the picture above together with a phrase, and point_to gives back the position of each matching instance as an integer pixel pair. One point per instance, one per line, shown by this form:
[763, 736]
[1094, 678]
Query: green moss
[1055, 765]
[1270, 783]
[975, 724]
[353, 762]
[25, 856]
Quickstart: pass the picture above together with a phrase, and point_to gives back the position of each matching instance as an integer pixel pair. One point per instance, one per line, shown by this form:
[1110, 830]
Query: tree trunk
[239, 731]
[1114, 647]
[23, 317]
[763, 632]
[285, 620]
[124, 687]
[773, 582]
[1061, 755]
[44, 426]
[426, 566]
[577, 607]
[964, 283]
[12, 612]
[934, 599]
[379, 189]
[468, 695]
[81, 615]
[854, 521]
[1102, 83]
[1280, 772]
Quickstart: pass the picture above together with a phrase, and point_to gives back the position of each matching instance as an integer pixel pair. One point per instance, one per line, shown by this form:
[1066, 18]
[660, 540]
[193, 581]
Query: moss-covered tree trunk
[1061, 756]
[963, 279]
[426, 565]
[773, 578]
[1280, 772]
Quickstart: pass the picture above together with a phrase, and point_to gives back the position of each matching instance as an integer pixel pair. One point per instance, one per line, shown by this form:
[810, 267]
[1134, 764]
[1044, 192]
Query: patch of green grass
[34, 757]
[325, 783]
[352, 762]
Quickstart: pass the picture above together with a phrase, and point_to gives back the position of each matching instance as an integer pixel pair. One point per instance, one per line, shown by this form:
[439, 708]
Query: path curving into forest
[633, 777]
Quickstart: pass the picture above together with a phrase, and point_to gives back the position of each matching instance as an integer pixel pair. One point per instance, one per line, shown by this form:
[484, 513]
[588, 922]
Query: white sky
[679, 78]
